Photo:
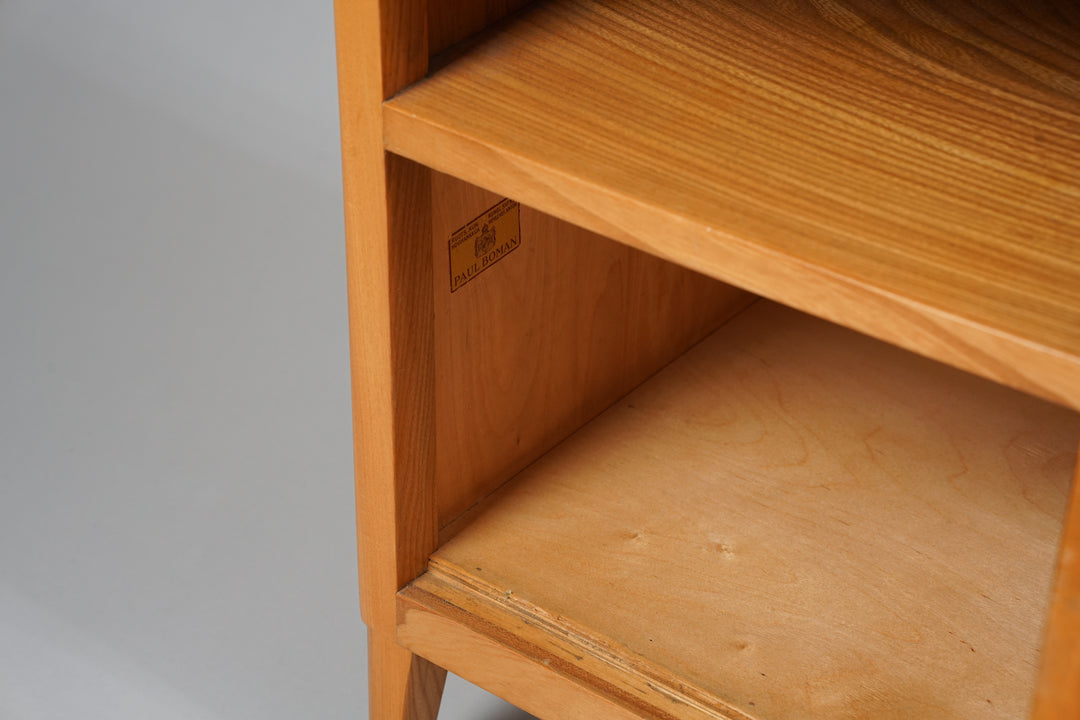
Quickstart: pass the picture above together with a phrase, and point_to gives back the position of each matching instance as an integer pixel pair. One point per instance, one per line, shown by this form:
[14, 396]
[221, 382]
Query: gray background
[176, 503]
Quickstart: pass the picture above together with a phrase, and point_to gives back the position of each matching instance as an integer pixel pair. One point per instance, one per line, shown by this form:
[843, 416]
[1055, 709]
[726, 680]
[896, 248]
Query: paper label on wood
[481, 243]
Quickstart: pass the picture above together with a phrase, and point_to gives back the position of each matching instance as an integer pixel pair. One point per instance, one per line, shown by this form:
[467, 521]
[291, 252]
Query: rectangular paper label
[483, 242]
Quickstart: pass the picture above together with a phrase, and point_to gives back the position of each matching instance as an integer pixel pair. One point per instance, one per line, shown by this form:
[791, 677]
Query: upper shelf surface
[910, 169]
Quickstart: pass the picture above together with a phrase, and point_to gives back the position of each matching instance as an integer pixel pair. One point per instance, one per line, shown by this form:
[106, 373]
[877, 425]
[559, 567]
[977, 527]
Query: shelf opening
[790, 521]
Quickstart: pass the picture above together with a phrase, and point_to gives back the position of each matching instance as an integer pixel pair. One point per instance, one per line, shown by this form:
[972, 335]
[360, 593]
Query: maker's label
[483, 242]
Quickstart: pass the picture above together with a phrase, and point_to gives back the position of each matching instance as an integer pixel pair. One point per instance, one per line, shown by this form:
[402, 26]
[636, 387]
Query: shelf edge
[1013, 361]
[489, 637]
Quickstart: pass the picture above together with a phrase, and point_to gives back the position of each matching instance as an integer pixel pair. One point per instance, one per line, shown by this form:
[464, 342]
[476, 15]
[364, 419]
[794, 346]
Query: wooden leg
[401, 686]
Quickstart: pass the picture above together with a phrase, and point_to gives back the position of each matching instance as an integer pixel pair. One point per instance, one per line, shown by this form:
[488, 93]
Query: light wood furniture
[763, 403]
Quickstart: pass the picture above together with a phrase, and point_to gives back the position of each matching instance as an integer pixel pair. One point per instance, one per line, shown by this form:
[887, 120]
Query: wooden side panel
[453, 20]
[402, 38]
[547, 338]
[381, 47]
[1058, 696]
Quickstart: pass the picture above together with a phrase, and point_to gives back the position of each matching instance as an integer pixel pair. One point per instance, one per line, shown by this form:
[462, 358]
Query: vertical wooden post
[402, 685]
[1058, 693]
[382, 46]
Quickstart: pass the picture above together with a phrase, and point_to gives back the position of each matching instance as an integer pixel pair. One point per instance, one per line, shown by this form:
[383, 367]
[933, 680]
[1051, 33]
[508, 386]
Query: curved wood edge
[1058, 693]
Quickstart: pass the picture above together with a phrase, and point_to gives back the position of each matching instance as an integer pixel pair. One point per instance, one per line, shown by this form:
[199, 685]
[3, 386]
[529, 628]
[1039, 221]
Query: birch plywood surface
[909, 169]
[546, 338]
[796, 522]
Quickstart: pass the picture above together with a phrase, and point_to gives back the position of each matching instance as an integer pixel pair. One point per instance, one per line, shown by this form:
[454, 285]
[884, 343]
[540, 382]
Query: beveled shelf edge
[489, 638]
[935, 333]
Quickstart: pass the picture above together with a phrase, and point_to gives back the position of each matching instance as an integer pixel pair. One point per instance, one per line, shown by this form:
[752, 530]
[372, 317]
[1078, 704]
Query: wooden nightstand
[717, 359]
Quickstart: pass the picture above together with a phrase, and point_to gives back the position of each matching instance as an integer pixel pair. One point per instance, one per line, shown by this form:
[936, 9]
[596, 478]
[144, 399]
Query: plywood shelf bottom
[791, 521]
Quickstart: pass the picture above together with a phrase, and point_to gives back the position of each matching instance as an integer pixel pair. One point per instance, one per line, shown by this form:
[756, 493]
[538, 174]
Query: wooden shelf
[795, 519]
[910, 173]
[790, 521]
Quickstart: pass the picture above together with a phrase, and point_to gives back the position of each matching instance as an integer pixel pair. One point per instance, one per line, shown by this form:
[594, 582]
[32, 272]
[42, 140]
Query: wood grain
[795, 521]
[402, 686]
[451, 21]
[381, 47]
[495, 660]
[1058, 696]
[584, 674]
[546, 339]
[388, 230]
[910, 170]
